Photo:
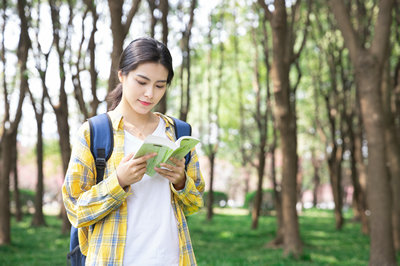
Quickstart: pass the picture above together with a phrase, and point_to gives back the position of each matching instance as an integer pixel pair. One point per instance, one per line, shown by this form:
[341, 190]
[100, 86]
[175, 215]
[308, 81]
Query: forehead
[151, 70]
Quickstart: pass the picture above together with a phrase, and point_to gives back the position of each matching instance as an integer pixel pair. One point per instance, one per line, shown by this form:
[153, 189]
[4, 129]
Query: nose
[149, 92]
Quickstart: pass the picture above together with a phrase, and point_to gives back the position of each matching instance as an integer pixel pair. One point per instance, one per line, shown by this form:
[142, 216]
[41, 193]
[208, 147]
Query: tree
[10, 127]
[261, 119]
[213, 136]
[185, 67]
[79, 66]
[61, 108]
[119, 31]
[368, 64]
[284, 56]
[39, 110]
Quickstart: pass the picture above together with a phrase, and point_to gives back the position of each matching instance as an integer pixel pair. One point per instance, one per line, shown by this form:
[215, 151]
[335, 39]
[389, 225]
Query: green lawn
[226, 240]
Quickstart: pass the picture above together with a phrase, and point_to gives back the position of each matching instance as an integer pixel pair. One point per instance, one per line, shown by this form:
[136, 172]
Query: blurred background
[296, 104]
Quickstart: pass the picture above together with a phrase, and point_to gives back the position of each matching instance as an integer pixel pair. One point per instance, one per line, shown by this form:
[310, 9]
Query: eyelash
[144, 83]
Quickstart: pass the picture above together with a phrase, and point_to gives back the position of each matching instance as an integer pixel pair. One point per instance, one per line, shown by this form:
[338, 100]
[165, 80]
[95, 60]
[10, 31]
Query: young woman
[130, 218]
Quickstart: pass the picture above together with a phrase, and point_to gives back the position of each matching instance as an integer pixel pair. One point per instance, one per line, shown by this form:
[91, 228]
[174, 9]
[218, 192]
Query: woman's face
[144, 87]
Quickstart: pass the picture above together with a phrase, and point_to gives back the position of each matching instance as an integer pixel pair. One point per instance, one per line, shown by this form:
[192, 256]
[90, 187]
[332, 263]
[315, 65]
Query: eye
[141, 82]
[160, 86]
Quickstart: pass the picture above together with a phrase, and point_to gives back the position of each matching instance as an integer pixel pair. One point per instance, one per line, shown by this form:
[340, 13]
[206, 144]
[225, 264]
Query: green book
[165, 149]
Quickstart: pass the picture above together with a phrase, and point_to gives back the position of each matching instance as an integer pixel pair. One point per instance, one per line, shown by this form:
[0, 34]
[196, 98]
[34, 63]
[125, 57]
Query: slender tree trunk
[119, 31]
[164, 7]
[5, 229]
[359, 192]
[185, 67]
[10, 132]
[334, 163]
[368, 65]
[14, 169]
[286, 123]
[316, 178]
[38, 217]
[393, 154]
[61, 109]
[210, 200]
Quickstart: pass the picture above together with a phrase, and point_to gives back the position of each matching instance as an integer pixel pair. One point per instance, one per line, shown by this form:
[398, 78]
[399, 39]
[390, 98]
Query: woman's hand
[130, 170]
[174, 173]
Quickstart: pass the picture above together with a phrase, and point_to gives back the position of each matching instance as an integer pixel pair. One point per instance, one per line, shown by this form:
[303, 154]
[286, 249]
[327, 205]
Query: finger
[178, 162]
[169, 167]
[163, 172]
[144, 158]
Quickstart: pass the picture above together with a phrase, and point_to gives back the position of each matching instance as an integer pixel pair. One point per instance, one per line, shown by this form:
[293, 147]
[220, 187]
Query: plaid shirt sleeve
[190, 198]
[87, 203]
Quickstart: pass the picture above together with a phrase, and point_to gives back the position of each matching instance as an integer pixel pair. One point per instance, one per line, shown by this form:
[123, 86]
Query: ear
[120, 76]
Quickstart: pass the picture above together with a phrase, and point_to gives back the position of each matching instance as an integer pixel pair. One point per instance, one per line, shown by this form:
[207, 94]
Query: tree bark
[185, 67]
[119, 31]
[368, 65]
[393, 153]
[11, 127]
[61, 109]
[38, 217]
[285, 114]
[14, 169]
[164, 7]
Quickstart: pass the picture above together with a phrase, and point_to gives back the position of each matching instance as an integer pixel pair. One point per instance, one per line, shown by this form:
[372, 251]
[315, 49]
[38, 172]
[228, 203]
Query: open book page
[185, 145]
[164, 149]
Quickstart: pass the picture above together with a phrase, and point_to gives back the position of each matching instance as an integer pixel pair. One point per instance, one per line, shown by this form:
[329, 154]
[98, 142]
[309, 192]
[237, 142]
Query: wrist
[180, 185]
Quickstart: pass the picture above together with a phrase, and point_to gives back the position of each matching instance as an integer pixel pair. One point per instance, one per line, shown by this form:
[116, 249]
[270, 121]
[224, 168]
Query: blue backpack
[101, 146]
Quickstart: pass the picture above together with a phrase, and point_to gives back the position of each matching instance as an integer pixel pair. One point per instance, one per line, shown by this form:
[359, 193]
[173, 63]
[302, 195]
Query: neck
[132, 117]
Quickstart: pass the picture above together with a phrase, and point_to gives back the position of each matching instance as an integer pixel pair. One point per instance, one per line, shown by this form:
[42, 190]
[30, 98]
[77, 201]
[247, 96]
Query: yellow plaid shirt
[100, 211]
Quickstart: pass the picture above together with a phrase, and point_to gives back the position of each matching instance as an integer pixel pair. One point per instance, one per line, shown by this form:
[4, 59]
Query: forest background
[292, 100]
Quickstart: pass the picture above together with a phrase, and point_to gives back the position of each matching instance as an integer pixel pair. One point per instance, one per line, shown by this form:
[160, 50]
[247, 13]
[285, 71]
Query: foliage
[267, 204]
[220, 198]
[226, 240]
[26, 197]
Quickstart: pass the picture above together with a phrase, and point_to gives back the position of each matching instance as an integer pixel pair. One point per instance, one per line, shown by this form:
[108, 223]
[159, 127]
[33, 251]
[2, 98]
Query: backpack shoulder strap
[182, 129]
[101, 142]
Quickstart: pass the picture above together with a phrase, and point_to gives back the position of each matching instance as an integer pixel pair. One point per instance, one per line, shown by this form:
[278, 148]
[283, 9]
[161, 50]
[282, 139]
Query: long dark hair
[141, 50]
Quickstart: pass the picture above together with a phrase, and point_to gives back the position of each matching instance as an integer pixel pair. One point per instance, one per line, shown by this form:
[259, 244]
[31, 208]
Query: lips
[144, 103]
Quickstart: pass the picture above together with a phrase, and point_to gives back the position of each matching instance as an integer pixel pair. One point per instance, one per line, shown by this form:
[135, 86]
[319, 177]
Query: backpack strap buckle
[101, 163]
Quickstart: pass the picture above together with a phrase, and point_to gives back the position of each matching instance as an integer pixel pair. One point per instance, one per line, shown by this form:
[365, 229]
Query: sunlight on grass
[225, 240]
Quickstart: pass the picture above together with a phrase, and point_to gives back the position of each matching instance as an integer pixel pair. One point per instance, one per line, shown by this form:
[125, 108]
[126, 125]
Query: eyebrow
[146, 78]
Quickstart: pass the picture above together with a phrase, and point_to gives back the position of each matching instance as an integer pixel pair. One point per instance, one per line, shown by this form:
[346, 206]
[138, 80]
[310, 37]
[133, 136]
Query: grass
[226, 240]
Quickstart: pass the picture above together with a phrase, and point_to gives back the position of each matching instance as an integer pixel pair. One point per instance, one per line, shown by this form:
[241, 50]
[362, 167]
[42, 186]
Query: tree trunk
[6, 148]
[259, 195]
[286, 123]
[210, 201]
[359, 192]
[119, 31]
[368, 65]
[334, 163]
[10, 131]
[316, 178]
[38, 217]
[14, 169]
[164, 7]
[379, 194]
[185, 67]
[393, 154]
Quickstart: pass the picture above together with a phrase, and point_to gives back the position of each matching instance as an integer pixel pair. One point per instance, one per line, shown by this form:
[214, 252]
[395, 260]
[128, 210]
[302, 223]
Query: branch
[305, 32]
[349, 34]
[382, 30]
[268, 13]
[131, 14]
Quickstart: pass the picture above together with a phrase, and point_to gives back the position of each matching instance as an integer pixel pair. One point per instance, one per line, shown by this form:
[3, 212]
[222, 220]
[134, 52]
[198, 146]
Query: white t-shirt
[152, 234]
